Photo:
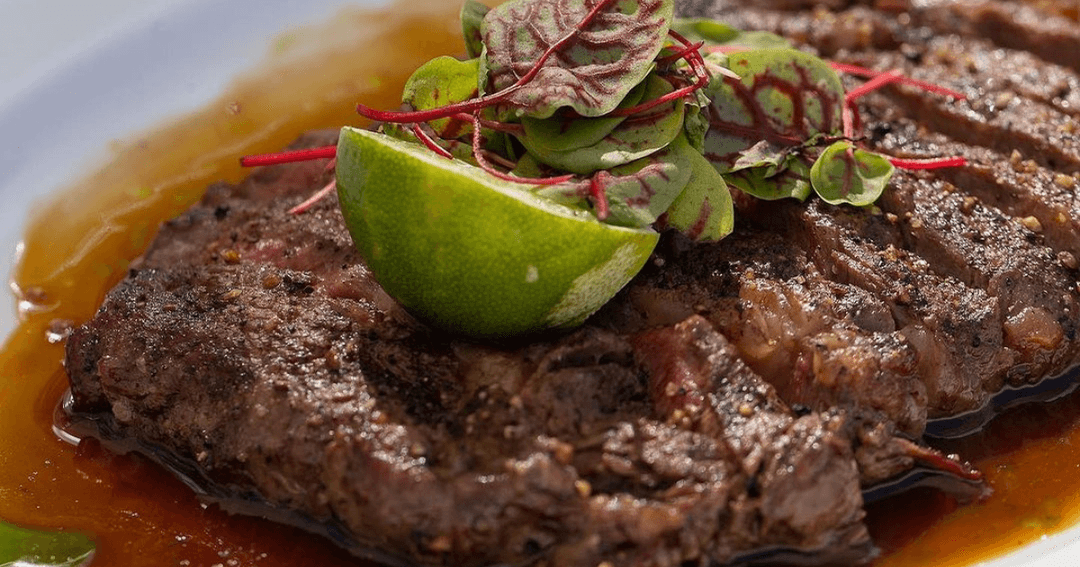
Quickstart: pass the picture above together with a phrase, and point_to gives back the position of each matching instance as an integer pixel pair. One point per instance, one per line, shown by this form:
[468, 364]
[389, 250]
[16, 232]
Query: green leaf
[638, 192]
[785, 98]
[634, 138]
[704, 210]
[695, 122]
[439, 82]
[527, 166]
[792, 179]
[602, 58]
[22, 546]
[557, 134]
[713, 32]
[472, 16]
[846, 174]
[762, 155]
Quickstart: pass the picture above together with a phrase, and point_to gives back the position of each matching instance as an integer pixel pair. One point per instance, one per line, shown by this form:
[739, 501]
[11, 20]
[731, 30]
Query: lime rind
[591, 290]
[472, 253]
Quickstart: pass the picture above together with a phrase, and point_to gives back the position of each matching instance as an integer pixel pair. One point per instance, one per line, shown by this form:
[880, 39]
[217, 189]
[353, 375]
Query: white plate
[75, 74]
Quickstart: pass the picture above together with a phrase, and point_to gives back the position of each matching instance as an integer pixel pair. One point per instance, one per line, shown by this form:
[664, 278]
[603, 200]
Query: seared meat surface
[254, 344]
[731, 404]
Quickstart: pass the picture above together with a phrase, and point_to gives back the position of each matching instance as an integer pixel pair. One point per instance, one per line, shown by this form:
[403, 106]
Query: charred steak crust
[730, 405]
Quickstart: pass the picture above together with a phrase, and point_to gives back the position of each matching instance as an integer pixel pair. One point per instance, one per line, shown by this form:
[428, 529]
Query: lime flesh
[472, 253]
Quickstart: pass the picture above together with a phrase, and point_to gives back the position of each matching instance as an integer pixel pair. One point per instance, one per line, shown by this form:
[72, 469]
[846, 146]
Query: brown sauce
[77, 248]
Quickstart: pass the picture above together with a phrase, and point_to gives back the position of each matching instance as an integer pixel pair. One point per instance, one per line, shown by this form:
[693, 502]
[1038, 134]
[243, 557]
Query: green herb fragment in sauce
[23, 546]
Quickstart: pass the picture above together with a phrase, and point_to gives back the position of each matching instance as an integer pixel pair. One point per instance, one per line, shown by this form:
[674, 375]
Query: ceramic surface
[75, 75]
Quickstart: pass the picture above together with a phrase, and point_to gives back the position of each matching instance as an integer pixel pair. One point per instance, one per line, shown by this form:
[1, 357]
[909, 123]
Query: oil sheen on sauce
[79, 244]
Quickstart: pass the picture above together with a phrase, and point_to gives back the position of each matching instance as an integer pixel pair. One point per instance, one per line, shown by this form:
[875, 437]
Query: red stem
[431, 144]
[399, 117]
[873, 84]
[498, 159]
[850, 113]
[681, 53]
[289, 156]
[598, 191]
[867, 73]
[692, 56]
[932, 163]
[495, 125]
[939, 461]
[314, 198]
[478, 153]
[725, 49]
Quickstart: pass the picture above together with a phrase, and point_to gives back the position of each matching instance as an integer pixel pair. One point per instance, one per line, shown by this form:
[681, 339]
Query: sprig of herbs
[616, 106]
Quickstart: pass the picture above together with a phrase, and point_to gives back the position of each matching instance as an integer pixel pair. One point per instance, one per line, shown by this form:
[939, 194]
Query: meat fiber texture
[731, 404]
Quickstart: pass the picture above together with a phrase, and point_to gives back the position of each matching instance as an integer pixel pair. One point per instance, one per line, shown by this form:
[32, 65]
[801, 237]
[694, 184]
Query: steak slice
[997, 236]
[822, 344]
[250, 350]
[732, 404]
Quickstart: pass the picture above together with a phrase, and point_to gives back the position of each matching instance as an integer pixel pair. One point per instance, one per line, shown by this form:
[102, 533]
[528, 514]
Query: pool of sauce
[79, 244]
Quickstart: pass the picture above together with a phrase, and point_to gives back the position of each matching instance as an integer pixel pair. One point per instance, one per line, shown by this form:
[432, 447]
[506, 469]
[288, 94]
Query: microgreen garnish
[596, 85]
[585, 56]
[616, 108]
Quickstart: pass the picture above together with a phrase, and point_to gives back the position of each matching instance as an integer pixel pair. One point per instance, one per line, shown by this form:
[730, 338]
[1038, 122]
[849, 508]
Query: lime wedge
[472, 253]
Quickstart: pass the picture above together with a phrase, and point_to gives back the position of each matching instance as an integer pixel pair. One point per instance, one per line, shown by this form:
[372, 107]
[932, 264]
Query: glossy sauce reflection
[79, 245]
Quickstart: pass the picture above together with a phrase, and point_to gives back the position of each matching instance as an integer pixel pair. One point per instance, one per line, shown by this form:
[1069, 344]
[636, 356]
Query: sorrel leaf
[784, 98]
[846, 174]
[704, 210]
[472, 16]
[762, 155]
[598, 51]
[22, 546]
[791, 180]
[636, 137]
[637, 192]
[640, 191]
[439, 82]
[558, 134]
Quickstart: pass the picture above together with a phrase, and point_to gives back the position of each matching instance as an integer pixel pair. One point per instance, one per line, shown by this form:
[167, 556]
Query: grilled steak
[732, 404]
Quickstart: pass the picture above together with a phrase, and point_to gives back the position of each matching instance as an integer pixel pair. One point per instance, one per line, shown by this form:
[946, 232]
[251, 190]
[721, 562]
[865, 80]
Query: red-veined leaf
[784, 98]
[639, 192]
[704, 210]
[559, 134]
[846, 174]
[792, 179]
[586, 54]
[634, 138]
